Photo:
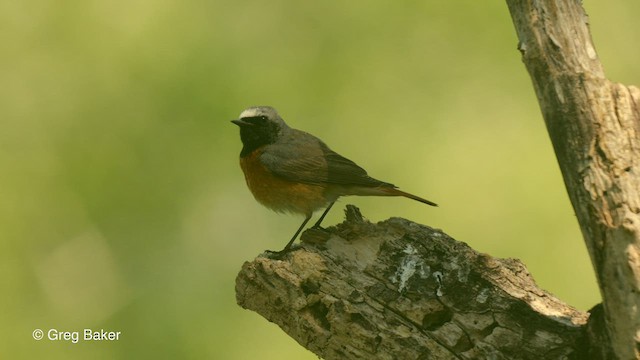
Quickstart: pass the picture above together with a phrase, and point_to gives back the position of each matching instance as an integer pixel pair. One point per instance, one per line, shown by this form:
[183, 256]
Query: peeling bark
[594, 126]
[400, 290]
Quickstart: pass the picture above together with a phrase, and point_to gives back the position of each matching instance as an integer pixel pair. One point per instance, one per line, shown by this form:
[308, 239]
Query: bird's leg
[288, 247]
[317, 224]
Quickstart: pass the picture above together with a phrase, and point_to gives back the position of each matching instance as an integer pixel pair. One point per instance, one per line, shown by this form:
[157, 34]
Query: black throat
[256, 133]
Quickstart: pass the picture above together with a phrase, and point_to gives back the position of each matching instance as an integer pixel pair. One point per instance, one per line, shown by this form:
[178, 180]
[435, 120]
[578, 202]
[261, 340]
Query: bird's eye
[256, 120]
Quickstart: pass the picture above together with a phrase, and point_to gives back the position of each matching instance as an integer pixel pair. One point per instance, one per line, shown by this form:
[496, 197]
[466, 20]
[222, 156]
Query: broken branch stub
[400, 290]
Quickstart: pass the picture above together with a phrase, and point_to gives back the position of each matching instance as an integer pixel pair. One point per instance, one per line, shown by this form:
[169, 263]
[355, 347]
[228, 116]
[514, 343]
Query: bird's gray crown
[256, 111]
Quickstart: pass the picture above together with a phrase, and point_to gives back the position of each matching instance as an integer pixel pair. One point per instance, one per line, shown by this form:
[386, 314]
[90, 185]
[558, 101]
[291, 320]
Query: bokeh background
[122, 205]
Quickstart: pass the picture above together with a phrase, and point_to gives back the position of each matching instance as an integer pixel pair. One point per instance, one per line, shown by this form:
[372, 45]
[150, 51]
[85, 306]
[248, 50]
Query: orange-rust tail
[396, 192]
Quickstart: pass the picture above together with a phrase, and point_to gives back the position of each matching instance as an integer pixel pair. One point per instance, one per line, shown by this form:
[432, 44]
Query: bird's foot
[279, 255]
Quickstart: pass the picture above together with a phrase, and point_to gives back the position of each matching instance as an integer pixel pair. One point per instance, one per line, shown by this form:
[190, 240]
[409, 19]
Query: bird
[291, 171]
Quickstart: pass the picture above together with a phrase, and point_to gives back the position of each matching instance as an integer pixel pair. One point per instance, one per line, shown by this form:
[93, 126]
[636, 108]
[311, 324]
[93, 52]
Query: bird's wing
[307, 159]
[343, 171]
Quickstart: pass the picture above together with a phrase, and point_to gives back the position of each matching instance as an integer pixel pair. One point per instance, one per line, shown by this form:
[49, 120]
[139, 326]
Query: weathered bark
[594, 126]
[400, 290]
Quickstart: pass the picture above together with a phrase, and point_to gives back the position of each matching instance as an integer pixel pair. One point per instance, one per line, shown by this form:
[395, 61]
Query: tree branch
[594, 126]
[400, 290]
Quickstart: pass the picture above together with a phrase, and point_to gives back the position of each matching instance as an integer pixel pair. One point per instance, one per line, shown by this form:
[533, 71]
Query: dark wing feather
[305, 158]
[343, 171]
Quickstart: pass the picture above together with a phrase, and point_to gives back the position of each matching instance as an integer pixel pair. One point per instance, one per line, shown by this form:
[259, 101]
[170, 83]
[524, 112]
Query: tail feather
[396, 192]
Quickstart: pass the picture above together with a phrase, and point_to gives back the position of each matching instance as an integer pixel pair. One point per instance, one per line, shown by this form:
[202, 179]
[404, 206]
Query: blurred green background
[122, 205]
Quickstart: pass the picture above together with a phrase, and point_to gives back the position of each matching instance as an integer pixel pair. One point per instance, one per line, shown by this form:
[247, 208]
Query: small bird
[289, 170]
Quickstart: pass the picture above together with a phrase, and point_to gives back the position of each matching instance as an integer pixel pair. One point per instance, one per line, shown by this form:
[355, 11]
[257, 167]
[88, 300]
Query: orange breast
[279, 194]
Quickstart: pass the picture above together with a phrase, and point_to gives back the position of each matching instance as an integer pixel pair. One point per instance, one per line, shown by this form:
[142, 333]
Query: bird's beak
[241, 122]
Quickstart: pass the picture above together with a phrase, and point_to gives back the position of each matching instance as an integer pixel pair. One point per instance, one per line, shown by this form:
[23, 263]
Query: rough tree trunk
[594, 125]
[399, 290]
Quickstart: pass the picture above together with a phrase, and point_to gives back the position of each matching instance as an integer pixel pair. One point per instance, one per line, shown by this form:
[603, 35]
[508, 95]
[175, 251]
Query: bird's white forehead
[250, 112]
[255, 111]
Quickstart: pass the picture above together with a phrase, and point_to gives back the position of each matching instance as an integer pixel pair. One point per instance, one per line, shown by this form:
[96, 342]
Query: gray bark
[400, 290]
[594, 125]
